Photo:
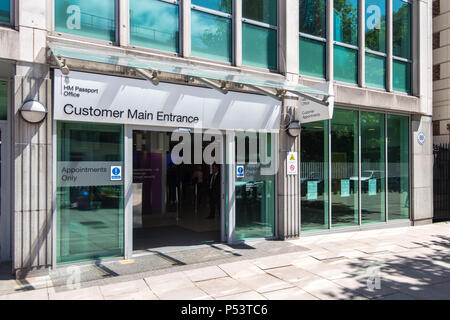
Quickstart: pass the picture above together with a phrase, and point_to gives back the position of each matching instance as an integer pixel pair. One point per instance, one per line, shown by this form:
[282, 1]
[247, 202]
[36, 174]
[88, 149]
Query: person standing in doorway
[214, 192]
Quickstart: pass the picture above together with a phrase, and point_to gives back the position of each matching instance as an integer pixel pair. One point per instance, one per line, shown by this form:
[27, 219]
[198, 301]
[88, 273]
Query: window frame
[117, 24]
[266, 26]
[155, 50]
[12, 15]
[401, 59]
[230, 16]
[318, 39]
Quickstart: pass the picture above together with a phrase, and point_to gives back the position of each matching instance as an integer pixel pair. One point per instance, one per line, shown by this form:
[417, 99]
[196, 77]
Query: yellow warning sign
[292, 157]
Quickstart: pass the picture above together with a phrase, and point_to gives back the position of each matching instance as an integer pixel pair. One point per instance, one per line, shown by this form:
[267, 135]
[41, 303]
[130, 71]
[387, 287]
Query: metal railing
[441, 182]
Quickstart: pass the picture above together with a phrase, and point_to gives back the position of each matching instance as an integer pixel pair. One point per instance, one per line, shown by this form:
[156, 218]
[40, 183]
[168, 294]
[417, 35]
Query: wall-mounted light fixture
[33, 111]
[294, 128]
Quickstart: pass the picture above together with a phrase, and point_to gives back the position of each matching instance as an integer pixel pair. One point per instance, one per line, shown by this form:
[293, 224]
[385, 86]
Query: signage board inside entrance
[291, 163]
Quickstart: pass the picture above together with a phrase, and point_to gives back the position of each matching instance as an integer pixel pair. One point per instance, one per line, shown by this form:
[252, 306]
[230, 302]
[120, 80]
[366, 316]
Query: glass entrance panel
[314, 176]
[373, 168]
[176, 196]
[255, 186]
[344, 168]
[89, 194]
[398, 166]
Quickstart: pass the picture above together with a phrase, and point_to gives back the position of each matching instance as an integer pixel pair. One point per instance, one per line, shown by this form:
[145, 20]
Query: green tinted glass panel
[344, 168]
[3, 100]
[94, 19]
[314, 176]
[345, 64]
[398, 167]
[5, 11]
[260, 10]
[154, 24]
[373, 168]
[346, 21]
[402, 76]
[402, 29]
[89, 205]
[259, 46]
[376, 25]
[312, 57]
[313, 17]
[211, 36]
[218, 5]
[375, 71]
[255, 191]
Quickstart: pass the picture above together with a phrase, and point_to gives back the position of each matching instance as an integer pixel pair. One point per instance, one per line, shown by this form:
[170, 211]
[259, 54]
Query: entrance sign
[92, 97]
[291, 163]
[310, 111]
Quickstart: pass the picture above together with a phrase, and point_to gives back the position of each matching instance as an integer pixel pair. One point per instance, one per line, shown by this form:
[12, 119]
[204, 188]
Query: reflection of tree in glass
[312, 17]
[349, 20]
[375, 38]
[219, 35]
[402, 31]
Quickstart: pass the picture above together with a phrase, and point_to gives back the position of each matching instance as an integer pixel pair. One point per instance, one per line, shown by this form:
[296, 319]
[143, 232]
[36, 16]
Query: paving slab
[249, 295]
[206, 273]
[41, 294]
[290, 274]
[222, 287]
[91, 293]
[264, 283]
[128, 290]
[241, 269]
[289, 294]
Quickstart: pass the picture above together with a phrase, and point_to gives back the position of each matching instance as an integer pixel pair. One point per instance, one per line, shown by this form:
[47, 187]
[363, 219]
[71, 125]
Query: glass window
[398, 166]
[94, 19]
[211, 36]
[345, 64]
[260, 10]
[373, 168]
[5, 11]
[312, 57]
[218, 5]
[376, 25]
[154, 24]
[402, 76]
[313, 17]
[346, 21]
[344, 168]
[402, 29]
[89, 203]
[255, 191]
[259, 46]
[3, 100]
[314, 176]
[375, 71]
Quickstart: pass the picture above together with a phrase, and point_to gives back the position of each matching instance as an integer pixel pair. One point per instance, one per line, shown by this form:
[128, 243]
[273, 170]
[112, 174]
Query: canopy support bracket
[277, 96]
[209, 83]
[153, 77]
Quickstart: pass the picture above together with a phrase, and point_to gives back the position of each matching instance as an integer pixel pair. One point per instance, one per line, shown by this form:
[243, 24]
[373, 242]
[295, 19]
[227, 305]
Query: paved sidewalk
[398, 263]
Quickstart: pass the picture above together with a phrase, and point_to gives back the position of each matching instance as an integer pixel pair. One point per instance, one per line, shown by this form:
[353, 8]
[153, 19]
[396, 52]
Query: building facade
[441, 63]
[144, 98]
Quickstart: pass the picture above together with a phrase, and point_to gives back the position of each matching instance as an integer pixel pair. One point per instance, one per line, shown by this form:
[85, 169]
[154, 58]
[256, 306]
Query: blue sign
[116, 173]
[239, 171]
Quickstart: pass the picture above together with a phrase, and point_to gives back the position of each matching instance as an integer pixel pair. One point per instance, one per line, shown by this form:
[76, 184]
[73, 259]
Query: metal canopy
[149, 65]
